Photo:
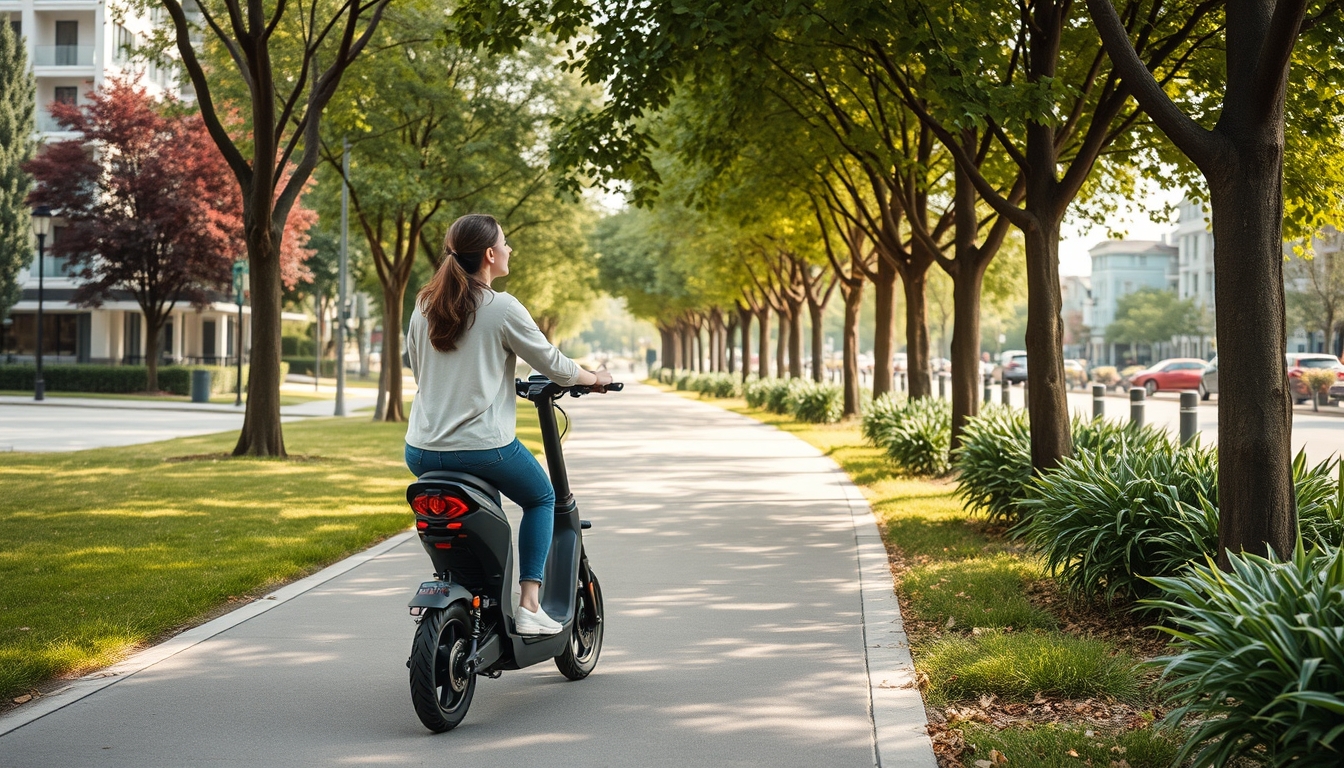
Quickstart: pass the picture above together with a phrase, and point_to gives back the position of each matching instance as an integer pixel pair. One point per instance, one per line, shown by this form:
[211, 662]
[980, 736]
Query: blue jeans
[515, 472]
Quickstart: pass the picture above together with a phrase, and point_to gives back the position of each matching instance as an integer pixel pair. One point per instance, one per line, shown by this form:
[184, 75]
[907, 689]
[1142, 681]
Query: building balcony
[45, 123]
[63, 55]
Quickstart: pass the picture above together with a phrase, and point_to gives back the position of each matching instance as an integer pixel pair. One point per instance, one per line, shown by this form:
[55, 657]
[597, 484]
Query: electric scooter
[465, 616]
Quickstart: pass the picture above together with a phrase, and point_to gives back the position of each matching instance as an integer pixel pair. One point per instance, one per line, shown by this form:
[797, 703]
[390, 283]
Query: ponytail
[453, 295]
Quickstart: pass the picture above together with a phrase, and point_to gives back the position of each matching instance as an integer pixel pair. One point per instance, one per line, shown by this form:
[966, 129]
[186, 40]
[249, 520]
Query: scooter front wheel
[441, 689]
[585, 636]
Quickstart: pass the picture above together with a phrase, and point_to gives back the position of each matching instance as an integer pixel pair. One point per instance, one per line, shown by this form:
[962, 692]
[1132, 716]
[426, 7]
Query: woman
[463, 342]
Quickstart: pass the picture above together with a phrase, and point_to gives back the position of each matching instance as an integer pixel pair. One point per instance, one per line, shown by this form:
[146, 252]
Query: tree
[151, 209]
[1315, 298]
[437, 131]
[1241, 156]
[1153, 316]
[16, 149]
[290, 61]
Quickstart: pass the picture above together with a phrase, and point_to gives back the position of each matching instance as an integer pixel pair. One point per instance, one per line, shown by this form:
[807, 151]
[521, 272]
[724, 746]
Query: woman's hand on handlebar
[597, 380]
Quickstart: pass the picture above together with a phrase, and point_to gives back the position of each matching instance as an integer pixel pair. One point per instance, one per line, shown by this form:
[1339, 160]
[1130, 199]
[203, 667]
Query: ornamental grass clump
[881, 416]
[919, 441]
[756, 391]
[686, 381]
[1107, 520]
[778, 396]
[1258, 668]
[817, 403]
[994, 459]
[717, 385]
[994, 462]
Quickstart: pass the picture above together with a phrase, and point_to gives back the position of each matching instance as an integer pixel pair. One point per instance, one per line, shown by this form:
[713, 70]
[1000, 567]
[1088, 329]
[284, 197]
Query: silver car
[1208, 383]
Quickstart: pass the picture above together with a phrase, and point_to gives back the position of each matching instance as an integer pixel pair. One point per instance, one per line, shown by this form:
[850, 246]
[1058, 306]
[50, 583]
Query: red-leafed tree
[150, 207]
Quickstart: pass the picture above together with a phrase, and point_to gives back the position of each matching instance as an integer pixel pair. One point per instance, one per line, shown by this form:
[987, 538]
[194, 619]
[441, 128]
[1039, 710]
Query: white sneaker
[535, 624]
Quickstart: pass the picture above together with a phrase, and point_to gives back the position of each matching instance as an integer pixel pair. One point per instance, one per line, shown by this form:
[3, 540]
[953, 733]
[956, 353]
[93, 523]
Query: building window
[67, 43]
[1143, 260]
[67, 94]
[17, 27]
[60, 334]
[125, 42]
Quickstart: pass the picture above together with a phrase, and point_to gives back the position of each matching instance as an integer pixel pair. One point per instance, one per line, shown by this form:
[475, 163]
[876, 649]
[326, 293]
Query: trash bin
[200, 386]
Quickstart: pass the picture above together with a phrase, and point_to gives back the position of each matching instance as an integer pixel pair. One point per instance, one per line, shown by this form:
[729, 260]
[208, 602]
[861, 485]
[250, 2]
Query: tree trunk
[684, 330]
[262, 434]
[884, 337]
[731, 348]
[697, 348]
[763, 362]
[815, 311]
[666, 355]
[1051, 440]
[782, 345]
[966, 284]
[720, 343]
[153, 338]
[853, 307]
[393, 296]
[744, 323]
[796, 341]
[917, 332]
[1256, 501]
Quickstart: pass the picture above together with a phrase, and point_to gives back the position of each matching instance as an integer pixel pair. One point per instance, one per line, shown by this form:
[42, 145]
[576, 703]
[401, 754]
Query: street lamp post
[239, 296]
[41, 228]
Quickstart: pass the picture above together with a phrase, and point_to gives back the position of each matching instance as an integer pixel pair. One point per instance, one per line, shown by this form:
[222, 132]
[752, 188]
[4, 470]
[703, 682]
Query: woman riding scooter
[463, 342]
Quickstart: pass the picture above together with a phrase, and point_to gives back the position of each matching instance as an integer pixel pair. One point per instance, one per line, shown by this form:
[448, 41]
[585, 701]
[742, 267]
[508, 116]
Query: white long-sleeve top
[466, 397]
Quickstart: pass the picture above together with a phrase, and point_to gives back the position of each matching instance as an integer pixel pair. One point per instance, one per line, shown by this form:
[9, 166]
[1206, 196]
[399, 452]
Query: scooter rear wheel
[440, 689]
[585, 636]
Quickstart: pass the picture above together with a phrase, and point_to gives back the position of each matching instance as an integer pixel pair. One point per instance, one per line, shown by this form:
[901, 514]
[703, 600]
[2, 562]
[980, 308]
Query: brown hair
[452, 296]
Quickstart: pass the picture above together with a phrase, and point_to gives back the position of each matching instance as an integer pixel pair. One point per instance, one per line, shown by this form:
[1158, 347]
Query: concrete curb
[104, 678]
[900, 723]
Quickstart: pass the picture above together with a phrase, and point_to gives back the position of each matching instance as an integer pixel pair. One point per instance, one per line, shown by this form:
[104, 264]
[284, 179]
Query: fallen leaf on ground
[1072, 753]
[996, 757]
[24, 699]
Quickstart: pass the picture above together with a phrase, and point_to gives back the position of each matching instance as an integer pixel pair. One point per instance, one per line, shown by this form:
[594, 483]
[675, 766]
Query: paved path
[735, 634]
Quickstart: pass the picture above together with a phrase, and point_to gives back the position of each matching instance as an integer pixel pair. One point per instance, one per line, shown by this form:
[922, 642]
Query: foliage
[1318, 380]
[756, 391]
[1107, 520]
[1258, 667]
[1111, 518]
[918, 443]
[153, 211]
[120, 379]
[17, 92]
[817, 403]
[779, 395]
[1106, 374]
[994, 461]
[718, 385]
[1020, 665]
[1152, 315]
[881, 416]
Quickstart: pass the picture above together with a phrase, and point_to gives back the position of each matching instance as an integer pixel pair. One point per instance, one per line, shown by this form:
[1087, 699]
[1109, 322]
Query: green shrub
[120, 379]
[723, 385]
[881, 416]
[756, 392]
[918, 443]
[1106, 520]
[1320, 501]
[817, 403]
[994, 461]
[303, 366]
[1259, 659]
[1019, 665]
[685, 380]
[777, 397]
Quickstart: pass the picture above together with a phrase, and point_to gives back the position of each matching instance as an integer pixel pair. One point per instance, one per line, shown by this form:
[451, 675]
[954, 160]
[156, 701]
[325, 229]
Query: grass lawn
[286, 398]
[106, 550]
[1007, 665]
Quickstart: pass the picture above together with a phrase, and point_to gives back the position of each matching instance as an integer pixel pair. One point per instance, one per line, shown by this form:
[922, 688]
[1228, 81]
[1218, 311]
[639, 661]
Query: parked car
[1171, 374]
[1208, 383]
[1297, 362]
[1012, 367]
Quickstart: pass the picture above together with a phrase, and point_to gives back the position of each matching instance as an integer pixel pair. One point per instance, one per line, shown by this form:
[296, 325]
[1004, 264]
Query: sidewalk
[750, 622]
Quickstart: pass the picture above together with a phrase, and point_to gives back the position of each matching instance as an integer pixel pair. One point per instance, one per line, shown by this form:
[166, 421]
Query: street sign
[239, 282]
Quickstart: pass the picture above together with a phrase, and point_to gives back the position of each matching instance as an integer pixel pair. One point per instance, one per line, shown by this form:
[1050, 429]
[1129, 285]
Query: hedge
[303, 366]
[120, 379]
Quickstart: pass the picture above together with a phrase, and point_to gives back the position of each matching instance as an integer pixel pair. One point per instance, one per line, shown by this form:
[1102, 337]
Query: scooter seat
[466, 479]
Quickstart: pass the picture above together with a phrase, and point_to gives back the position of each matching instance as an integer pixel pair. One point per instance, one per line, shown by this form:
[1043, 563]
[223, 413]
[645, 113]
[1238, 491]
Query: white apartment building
[74, 46]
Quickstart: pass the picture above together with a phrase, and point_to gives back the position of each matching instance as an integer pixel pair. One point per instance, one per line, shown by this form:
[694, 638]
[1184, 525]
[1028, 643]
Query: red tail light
[447, 506]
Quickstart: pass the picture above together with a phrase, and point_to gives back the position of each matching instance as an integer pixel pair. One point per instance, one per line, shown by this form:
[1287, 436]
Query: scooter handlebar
[536, 385]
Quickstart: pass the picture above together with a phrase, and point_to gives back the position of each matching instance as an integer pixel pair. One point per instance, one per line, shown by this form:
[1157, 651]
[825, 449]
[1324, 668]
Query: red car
[1300, 361]
[1174, 374]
